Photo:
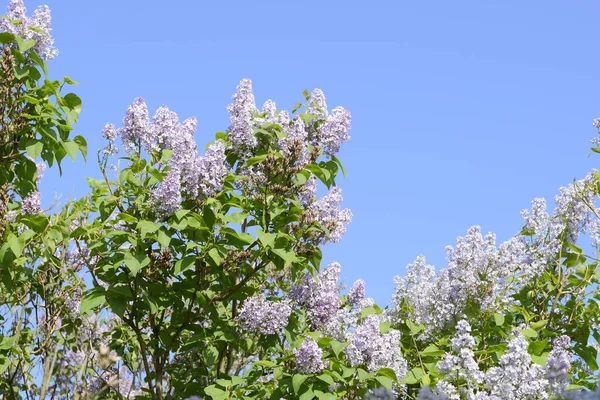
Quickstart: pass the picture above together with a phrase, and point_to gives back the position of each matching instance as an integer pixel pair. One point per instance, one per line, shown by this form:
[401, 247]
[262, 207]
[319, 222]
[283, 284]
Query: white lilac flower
[167, 197]
[32, 203]
[320, 297]
[262, 316]
[40, 22]
[309, 358]
[241, 112]
[331, 216]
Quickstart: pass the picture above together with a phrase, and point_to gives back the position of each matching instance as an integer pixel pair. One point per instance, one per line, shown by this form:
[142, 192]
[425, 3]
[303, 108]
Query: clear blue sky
[462, 111]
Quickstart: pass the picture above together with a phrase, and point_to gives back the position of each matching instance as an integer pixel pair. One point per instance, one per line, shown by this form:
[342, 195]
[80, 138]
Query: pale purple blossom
[319, 296]
[308, 193]
[309, 358]
[317, 104]
[167, 197]
[357, 292]
[136, 129]
[32, 203]
[558, 365]
[375, 350]
[335, 130]
[262, 316]
[39, 173]
[212, 170]
[331, 216]
[40, 21]
[241, 112]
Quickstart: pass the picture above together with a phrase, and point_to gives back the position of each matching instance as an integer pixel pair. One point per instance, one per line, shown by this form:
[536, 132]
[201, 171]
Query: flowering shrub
[189, 275]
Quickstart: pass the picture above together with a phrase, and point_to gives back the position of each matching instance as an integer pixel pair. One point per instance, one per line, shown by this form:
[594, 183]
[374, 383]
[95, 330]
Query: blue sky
[463, 112]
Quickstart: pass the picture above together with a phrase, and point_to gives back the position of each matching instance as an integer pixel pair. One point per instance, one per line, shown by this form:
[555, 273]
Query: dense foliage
[185, 275]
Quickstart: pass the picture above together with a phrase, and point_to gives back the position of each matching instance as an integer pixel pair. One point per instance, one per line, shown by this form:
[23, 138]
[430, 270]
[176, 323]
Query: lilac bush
[184, 275]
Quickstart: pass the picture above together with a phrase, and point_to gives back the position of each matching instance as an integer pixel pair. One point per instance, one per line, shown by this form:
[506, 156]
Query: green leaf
[529, 333]
[287, 256]
[24, 45]
[37, 222]
[70, 81]
[71, 148]
[537, 347]
[267, 239]
[73, 102]
[539, 324]
[337, 347]
[146, 227]
[499, 319]
[327, 379]
[297, 381]
[385, 381]
[215, 393]
[388, 373]
[35, 149]
[255, 160]
[413, 376]
[82, 143]
[6, 37]
[132, 263]
[92, 299]
[184, 264]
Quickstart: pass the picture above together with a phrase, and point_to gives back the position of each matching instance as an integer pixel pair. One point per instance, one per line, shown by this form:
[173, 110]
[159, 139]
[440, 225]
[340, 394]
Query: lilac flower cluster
[320, 297]
[262, 316]
[241, 112]
[328, 213]
[476, 270]
[356, 292]
[40, 22]
[375, 350]
[516, 377]
[309, 358]
[32, 203]
[196, 177]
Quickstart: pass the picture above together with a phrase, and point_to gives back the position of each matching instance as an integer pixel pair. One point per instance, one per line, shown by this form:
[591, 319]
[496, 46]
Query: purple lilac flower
[357, 292]
[317, 104]
[241, 111]
[319, 296]
[136, 127]
[39, 173]
[40, 20]
[11, 216]
[32, 203]
[212, 170]
[516, 377]
[296, 133]
[335, 130]
[262, 316]
[329, 214]
[167, 196]
[309, 358]
[558, 365]
[369, 347]
[309, 191]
